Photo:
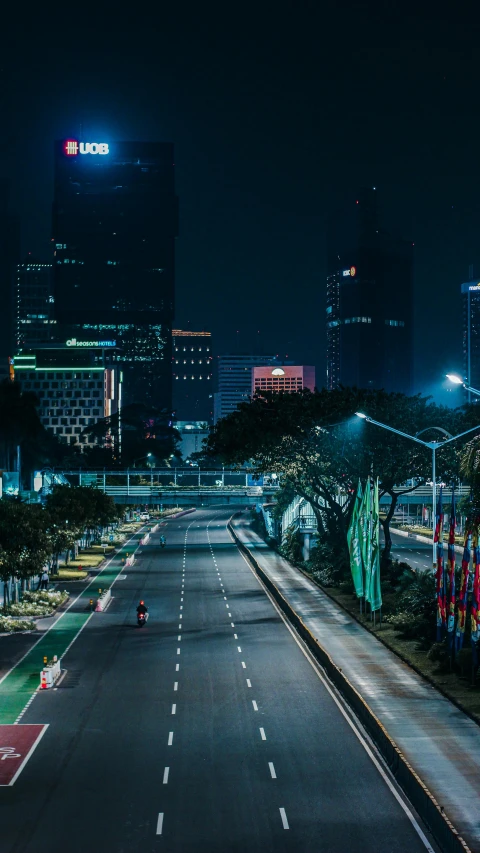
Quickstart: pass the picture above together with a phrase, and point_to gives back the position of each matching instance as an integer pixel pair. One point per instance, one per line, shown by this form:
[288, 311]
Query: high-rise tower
[115, 219]
[369, 303]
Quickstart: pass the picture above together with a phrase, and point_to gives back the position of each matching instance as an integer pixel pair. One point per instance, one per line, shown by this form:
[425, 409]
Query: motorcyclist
[163, 541]
[142, 608]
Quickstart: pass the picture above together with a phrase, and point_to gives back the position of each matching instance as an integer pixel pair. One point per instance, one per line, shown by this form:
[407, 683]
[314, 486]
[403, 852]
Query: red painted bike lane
[17, 743]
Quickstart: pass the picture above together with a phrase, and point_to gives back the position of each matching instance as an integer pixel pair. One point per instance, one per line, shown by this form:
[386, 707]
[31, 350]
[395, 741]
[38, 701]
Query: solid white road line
[174, 709]
[175, 686]
[255, 706]
[244, 664]
[284, 819]
[272, 770]
[165, 775]
[170, 738]
[262, 734]
[249, 683]
[160, 823]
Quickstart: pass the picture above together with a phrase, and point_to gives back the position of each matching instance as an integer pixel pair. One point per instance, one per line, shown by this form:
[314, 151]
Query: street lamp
[457, 380]
[140, 458]
[433, 446]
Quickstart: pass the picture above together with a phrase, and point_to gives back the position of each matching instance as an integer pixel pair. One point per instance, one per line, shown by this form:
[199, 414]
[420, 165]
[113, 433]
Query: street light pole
[433, 446]
[457, 380]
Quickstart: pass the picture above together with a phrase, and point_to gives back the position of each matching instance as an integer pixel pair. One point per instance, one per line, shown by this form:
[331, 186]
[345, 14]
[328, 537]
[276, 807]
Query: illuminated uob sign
[72, 147]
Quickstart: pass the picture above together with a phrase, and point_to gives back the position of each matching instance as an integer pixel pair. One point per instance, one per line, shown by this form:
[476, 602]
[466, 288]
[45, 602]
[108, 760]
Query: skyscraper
[192, 376]
[115, 219]
[33, 305]
[369, 312]
[471, 334]
[234, 380]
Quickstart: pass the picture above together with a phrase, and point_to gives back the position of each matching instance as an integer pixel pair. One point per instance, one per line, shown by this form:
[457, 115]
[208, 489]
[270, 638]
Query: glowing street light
[457, 380]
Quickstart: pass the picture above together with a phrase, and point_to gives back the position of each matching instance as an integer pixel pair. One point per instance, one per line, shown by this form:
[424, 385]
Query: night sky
[278, 113]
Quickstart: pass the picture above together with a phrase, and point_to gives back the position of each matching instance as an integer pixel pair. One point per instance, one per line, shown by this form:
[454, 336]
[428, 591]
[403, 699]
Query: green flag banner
[375, 597]
[364, 526]
[353, 538]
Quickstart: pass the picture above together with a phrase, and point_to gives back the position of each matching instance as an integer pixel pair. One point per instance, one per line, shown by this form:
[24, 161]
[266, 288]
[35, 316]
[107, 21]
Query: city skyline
[259, 166]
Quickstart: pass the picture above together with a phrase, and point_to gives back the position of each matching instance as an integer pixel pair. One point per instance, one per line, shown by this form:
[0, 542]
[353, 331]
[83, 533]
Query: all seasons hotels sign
[74, 343]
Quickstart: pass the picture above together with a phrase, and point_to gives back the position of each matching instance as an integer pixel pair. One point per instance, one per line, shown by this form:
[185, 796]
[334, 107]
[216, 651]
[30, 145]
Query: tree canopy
[316, 442]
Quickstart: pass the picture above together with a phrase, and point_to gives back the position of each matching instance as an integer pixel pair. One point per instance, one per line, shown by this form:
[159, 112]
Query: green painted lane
[20, 684]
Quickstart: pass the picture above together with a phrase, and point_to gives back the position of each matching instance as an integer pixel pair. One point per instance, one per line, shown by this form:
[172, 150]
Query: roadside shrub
[410, 626]
[440, 654]
[398, 572]
[291, 547]
[51, 598]
[464, 660]
[11, 625]
[27, 609]
[325, 576]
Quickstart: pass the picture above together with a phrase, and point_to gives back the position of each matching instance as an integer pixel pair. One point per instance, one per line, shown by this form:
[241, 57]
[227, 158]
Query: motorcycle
[162, 543]
[141, 619]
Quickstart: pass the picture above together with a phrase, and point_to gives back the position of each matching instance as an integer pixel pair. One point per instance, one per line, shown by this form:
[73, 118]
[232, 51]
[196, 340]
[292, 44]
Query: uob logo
[71, 147]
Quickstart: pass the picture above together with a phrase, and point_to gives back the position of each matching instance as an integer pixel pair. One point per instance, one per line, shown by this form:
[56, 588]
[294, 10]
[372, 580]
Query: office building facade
[234, 380]
[470, 291]
[115, 220]
[192, 363]
[288, 378]
[34, 304]
[369, 310]
[77, 383]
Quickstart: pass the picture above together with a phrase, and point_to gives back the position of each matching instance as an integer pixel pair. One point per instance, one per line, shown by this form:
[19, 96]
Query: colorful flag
[450, 579]
[475, 611]
[353, 539]
[462, 593]
[440, 571]
[375, 586]
[364, 528]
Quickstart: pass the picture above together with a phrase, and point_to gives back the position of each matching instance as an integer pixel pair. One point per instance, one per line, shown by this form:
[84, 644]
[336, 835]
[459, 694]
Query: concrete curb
[423, 801]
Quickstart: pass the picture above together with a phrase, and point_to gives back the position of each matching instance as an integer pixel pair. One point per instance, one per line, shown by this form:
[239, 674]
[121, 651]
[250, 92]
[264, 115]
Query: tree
[72, 510]
[143, 429]
[24, 542]
[318, 445]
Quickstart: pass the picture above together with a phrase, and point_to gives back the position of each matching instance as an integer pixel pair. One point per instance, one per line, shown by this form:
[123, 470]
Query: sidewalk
[440, 742]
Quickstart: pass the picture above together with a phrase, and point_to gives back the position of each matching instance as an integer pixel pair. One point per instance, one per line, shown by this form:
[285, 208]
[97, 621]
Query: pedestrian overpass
[172, 486]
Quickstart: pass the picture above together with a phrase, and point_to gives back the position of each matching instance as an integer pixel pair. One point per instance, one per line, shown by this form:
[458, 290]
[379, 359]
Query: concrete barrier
[423, 801]
[50, 674]
[103, 600]
[145, 539]
[130, 560]
[154, 529]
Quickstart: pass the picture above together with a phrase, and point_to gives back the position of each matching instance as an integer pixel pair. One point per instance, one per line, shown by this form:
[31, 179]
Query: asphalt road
[417, 554]
[207, 730]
